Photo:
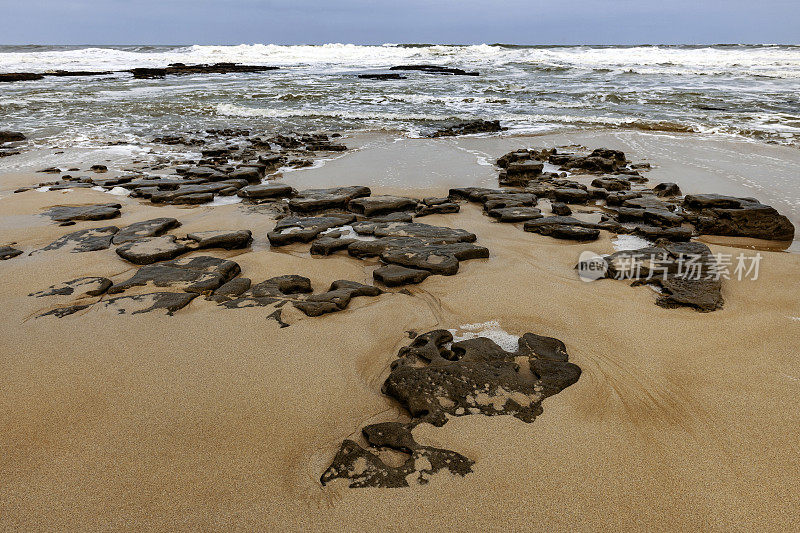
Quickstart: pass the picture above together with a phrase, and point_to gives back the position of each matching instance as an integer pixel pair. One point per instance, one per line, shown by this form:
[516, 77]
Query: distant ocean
[746, 91]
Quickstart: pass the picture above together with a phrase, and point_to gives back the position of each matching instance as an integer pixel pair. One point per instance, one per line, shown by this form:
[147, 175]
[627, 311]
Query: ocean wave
[763, 61]
[241, 111]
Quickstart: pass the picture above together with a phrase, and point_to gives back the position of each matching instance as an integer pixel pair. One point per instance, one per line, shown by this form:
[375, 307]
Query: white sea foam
[491, 330]
[767, 61]
[629, 242]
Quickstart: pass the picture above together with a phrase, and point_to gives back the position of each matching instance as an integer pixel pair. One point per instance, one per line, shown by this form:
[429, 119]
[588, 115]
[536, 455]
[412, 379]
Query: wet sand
[219, 419]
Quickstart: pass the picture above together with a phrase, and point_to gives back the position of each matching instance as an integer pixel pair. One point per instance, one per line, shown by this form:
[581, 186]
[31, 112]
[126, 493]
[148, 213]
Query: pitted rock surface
[435, 379]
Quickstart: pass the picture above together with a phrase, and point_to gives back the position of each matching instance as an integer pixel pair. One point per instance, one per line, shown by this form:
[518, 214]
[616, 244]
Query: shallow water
[748, 91]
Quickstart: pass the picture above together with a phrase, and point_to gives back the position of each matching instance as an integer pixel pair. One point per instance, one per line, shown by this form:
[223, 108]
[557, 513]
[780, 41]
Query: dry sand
[217, 419]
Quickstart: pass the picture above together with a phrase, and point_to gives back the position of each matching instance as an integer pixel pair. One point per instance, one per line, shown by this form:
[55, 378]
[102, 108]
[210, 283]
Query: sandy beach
[220, 419]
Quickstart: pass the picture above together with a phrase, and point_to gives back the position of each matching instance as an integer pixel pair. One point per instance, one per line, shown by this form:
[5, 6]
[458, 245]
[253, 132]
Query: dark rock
[667, 189]
[515, 214]
[11, 136]
[86, 240]
[99, 168]
[336, 299]
[192, 199]
[571, 196]
[147, 228]
[314, 200]
[228, 240]
[394, 275]
[267, 190]
[420, 246]
[8, 252]
[433, 381]
[381, 205]
[329, 245]
[437, 209]
[145, 303]
[20, 76]
[80, 287]
[196, 193]
[615, 199]
[519, 173]
[468, 128]
[499, 201]
[250, 174]
[560, 209]
[687, 273]
[612, 184]
[568, 228]
[737, 217]
[435, 69]
[677, 234]
[381, 77]
[230, 290]
[305, 229]
[61, 312]
[430, 234]
[64, 213]
[366, 469]
[394, 217]
[179, 69]
[152, 249]
[656, 217]
[193, 274]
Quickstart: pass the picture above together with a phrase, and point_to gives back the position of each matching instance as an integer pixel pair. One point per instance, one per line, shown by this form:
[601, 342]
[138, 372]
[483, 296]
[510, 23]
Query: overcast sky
[398, 21]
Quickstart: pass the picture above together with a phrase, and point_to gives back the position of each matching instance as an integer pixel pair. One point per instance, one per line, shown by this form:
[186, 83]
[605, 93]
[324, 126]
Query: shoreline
[218, 418]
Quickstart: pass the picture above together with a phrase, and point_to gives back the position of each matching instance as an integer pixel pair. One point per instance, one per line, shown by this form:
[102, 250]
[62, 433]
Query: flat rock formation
[68, 213]
[468, 128]
[180, 69]
[435, 69]
[86, 240]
